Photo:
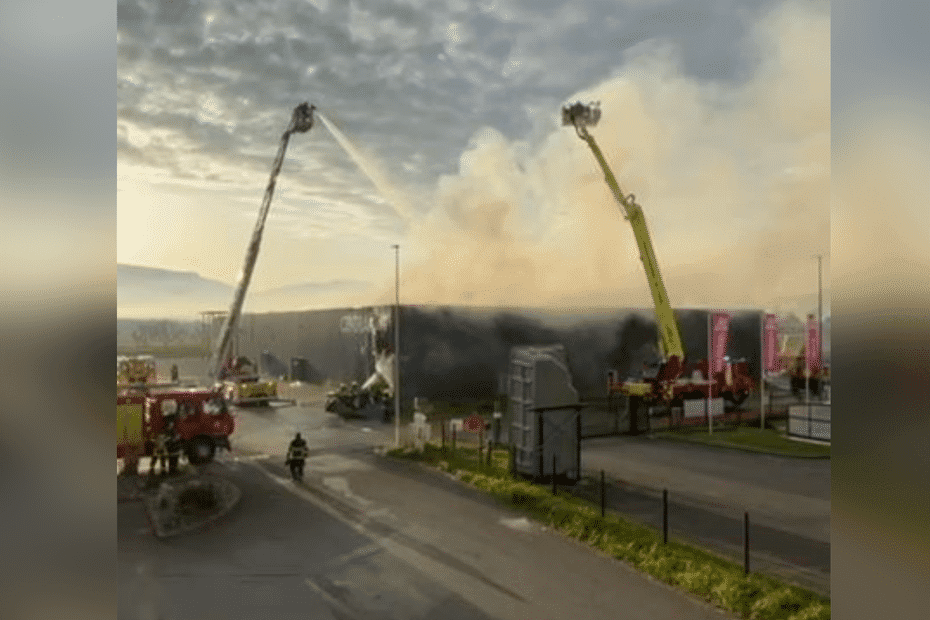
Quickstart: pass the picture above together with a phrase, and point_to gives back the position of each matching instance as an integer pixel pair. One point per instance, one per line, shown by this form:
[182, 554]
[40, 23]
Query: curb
[740, 448]
[166, 523]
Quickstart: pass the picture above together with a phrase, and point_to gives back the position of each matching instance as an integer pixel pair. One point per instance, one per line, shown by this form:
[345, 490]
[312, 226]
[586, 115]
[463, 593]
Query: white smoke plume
[734, 180]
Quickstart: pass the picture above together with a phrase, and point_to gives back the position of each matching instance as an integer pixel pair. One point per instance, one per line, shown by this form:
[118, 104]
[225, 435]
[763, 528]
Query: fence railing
[810, 421]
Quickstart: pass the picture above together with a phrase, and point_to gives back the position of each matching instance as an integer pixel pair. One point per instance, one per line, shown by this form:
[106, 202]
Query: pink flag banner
[770, 355]
[721, 330]
[812, 348]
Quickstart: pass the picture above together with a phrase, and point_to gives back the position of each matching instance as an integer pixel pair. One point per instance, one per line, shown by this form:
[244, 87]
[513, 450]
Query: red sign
[770, 355]
[812, 349]
[721, 330]
[473, 423]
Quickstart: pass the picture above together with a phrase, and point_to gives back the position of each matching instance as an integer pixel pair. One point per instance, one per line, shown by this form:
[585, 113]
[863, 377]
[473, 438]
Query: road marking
[341, 485]
[492, 600]
[336, 603]
[356, 554]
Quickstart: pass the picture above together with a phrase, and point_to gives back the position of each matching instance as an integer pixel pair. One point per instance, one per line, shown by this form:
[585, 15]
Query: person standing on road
[296, 455]
[160, 454]
[175, 373]
[174, 450]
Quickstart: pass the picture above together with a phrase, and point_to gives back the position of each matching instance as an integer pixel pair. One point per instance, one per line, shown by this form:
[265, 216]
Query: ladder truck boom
[301, 122]
[676, 380]
[670, 343]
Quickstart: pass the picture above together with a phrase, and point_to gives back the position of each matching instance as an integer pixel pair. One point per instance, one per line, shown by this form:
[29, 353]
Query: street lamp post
[396, 345]
[820, 320]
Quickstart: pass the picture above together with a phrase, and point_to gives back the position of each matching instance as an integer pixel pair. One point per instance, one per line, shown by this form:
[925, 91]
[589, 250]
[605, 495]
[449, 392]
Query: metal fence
[601, 418]
[810, 421]
[724, 530]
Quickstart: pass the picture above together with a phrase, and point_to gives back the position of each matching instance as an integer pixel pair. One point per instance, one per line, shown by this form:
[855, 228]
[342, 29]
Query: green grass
[748, 438]
[722, 583]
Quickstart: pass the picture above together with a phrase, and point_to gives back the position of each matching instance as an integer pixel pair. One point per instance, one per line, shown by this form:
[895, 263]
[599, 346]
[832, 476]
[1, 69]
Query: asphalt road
[364, 537]
[788, 500]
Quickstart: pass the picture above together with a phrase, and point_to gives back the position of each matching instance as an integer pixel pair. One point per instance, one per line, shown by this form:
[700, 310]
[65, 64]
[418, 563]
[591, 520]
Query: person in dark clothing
[296, 455]
[160, 454]
[174, 449]
[175, 373]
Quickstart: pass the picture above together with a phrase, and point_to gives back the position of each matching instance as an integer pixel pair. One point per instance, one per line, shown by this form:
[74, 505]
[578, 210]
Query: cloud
[703, 160]
[702, 131]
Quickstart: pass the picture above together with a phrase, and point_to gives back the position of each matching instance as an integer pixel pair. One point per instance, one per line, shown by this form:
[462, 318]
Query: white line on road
[356, 554]
[330, 599]
[490, 600]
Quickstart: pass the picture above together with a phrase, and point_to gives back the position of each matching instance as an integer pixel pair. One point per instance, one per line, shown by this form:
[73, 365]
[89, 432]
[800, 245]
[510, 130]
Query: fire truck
[242, 384]
[200, 417]
[674, 379]
[135, 370]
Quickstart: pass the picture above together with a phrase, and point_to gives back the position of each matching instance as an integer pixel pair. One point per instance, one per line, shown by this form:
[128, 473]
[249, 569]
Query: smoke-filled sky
[715, 115]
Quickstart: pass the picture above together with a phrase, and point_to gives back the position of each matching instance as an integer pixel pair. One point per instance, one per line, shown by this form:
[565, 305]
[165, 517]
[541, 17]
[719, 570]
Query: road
[788, 499]
[365, 537]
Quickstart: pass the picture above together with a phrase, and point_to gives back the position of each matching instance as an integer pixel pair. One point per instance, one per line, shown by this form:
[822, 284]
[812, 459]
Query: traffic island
[720, 582]
[183, 505]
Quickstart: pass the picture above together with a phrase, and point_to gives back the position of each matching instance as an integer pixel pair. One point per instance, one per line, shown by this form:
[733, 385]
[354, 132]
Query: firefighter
[160, 454]
[174, 450]
[296, 455]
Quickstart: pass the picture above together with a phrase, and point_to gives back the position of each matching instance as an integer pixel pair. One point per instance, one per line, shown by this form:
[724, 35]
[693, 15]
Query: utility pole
[762, 371]
[396, 345]
[820, 317]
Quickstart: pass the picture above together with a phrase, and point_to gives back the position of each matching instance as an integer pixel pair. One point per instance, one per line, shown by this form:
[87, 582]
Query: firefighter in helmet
[296, 455]
[160, 454]
[174, 448]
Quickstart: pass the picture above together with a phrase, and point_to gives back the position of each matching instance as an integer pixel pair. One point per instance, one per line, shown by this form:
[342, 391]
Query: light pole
[820, 320]
[762, 371]
[396, 345]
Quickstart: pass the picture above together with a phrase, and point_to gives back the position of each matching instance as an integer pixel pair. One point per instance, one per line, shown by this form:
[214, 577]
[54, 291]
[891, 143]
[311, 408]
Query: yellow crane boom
[580, 116]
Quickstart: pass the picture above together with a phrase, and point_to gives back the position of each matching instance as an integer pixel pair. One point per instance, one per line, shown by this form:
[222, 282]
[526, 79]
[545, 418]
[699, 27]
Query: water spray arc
[370, 168]
[301, 122]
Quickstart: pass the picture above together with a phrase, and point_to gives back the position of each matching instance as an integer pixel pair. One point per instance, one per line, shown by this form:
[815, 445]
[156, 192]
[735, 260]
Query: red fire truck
[201, 419]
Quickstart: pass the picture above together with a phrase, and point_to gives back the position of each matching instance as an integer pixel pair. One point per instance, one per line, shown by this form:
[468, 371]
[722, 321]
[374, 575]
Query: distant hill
[153, 293]
[148, 292]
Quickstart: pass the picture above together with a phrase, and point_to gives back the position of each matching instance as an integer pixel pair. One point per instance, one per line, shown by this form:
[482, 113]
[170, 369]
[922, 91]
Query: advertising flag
[770, 339]
[721, 330]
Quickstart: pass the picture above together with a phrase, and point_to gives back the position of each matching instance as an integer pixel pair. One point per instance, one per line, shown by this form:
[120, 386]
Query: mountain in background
[153, 293]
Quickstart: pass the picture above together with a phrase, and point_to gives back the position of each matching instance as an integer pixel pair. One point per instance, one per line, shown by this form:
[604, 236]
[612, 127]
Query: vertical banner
[721, 331]
[771, 357]
[812, 348]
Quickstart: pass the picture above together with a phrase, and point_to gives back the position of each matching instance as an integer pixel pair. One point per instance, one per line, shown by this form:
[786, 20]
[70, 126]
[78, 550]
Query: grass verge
[753, 439]
[718, 581]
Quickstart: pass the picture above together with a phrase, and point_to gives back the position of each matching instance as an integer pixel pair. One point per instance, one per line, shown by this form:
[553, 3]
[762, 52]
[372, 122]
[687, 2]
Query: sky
[447, 140]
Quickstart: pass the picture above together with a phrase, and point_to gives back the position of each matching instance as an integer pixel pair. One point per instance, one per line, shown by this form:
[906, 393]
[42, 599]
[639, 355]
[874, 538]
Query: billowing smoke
[455, 354]
[635, 344]
[746, 340]
[734, 179]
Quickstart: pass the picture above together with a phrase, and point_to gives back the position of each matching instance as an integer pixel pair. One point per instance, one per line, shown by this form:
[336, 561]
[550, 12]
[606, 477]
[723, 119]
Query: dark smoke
[458, 354]
[746, 340]
[634, 344]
